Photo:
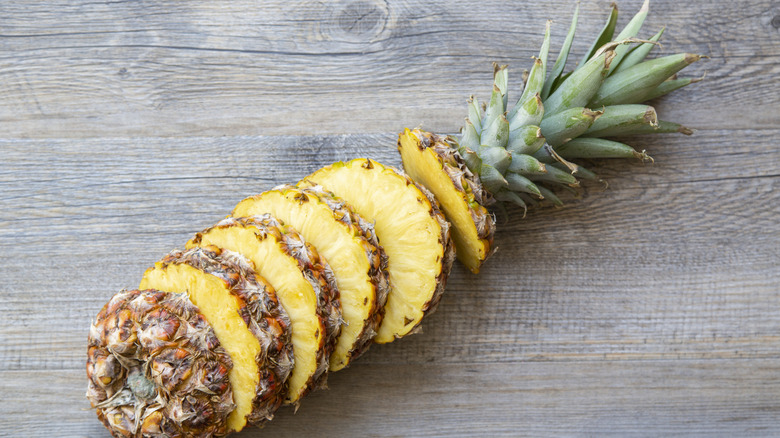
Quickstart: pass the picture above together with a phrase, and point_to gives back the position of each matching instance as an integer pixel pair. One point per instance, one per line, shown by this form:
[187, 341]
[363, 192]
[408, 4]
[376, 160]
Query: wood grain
[87, 69]
[610, 398]
[646, 309]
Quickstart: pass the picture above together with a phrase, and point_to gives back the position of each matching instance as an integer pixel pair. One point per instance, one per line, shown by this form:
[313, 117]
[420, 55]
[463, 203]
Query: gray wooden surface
[648, 309]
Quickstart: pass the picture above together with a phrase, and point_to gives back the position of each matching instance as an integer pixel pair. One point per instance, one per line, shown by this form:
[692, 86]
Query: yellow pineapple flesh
[302, 283]
[410, 228]
[430, 161]
[349, 245]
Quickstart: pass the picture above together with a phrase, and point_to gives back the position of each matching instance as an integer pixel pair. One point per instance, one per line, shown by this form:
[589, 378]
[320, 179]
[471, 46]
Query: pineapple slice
[430, 161]
[410, 228]
[304, 285]
[246, 317]
[148, 352]
[349, 245]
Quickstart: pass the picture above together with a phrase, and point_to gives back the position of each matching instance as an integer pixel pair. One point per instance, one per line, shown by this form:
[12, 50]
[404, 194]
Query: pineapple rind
[350, 246]
[377, 272]
[225, 289]
[138, 332]
[435, 164]
[304, 286]
[410, 228]
[269, 322]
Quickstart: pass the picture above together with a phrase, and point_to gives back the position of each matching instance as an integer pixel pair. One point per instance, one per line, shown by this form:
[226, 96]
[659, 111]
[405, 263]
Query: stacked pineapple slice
[282, 315]
[411, 229]
[304, 285]
[349, 244]
[245, 317]
[301, 280]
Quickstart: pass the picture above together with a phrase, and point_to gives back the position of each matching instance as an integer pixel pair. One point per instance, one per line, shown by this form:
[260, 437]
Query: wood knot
[361, 19]
[776, 21]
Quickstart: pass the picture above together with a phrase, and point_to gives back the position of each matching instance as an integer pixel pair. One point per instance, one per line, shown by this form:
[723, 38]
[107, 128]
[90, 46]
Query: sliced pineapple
[432, 162]
[349, 245]
[155, 367]
[248, 321]
[410, 228]
[304, 285]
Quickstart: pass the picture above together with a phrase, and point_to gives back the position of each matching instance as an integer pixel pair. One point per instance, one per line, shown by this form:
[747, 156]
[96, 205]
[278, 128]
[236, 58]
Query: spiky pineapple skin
[260, 310]
[165, 338]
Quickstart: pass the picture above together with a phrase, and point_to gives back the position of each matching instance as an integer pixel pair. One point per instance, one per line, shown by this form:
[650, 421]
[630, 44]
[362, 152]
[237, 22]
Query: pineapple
[410, 228]
[155, 367]
[246, 318]
[521, 154]
[207, 362]
[304, 285]
[351, 248]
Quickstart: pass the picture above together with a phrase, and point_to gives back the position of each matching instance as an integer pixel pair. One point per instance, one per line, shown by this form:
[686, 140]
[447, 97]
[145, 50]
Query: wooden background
[648, 309]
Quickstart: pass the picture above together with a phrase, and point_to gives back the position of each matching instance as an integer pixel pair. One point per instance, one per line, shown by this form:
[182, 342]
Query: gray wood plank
[610, 398]
[651, 268]
[86, 69]
[674, 265]
[647, 309]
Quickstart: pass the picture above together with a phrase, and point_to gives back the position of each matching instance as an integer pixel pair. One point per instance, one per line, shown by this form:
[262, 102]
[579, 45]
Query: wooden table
[647, 309]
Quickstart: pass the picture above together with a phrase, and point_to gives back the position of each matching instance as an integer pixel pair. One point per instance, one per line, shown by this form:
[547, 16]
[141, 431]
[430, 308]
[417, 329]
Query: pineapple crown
[522, 153]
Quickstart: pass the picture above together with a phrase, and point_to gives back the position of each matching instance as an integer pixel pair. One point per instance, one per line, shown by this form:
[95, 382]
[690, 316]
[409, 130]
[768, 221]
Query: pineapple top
[523, 153]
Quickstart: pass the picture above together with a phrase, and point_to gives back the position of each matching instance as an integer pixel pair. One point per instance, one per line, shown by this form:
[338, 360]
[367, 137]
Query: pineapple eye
[141, 387]
[126, 397]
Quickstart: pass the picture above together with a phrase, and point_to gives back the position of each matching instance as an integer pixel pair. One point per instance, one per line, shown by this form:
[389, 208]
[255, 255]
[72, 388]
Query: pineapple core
[335, 241]
[220, 308]
[293, 291]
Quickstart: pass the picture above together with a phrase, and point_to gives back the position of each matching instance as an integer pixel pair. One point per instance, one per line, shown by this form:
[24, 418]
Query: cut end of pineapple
[433, 163]
[410, 228]
[147, 351]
